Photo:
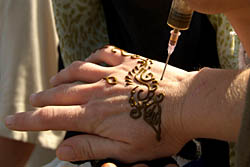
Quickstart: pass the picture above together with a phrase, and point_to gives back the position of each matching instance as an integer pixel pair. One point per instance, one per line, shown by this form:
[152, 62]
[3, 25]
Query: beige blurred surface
[28, 58]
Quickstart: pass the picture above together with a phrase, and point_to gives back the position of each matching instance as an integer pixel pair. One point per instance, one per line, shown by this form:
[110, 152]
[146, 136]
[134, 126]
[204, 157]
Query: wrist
[173, 105]
[214, 104]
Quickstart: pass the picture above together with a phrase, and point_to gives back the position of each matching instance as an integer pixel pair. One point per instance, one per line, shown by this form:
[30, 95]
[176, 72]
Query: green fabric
[243, 146]
[81, 28]
[227, 41]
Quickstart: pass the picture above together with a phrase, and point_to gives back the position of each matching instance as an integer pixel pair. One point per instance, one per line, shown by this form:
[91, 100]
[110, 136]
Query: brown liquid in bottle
[179, 20]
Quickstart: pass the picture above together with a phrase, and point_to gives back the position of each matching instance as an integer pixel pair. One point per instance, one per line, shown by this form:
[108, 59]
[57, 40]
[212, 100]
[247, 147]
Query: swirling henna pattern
[146, 104]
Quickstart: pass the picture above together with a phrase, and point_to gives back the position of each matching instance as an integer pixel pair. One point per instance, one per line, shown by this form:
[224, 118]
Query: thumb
[89, 147]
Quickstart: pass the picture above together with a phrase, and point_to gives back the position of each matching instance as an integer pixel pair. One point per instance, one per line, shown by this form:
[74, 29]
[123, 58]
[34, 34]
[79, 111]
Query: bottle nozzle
[175, 33]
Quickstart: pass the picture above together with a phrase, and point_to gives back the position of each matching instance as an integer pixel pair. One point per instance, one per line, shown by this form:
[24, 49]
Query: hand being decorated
[125, 110]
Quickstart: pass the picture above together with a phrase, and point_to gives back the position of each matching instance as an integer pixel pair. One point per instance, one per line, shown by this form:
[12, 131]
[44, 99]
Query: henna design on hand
[146, 104]
[111, 80]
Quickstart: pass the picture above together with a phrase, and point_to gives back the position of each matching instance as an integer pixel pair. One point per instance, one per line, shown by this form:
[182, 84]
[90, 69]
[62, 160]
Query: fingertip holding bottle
[108, 165]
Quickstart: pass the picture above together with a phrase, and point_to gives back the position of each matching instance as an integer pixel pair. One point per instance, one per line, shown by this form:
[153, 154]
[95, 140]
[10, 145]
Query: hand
[215, 6]
[108, 165]
[128, 116]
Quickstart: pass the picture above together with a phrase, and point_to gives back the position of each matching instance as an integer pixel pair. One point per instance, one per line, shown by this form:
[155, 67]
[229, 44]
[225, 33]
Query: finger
[48, 118]
[108, 165]
[110, 55]
[80, 71]
[89, 147]
[85, 118]
[65, 94]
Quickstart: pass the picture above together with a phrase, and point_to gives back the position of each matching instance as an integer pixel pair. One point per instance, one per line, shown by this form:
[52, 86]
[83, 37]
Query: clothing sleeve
[227, 41]
[28, 58]
[81, 28]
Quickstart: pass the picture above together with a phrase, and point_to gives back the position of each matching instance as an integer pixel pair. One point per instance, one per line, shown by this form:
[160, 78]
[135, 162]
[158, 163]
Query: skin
[237, 13]
[213, 7]
[111, 132]
[108, 165]
[68, 93]
[212, 98]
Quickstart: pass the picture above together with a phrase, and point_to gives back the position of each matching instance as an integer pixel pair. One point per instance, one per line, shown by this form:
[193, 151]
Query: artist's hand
[129, 116]
[215, 6]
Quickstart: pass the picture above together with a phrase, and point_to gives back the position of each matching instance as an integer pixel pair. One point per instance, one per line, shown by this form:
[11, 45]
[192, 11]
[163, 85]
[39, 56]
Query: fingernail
[66, 153]
[52, 79]
[9, 120]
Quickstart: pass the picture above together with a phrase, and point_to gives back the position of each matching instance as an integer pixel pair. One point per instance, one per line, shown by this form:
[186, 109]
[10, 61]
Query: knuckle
[66, 91]
[57, 94]
[75, 66]
[87, 150]
[100, 53]
[92, 109]
[94, 114]
[105, 50]
[61, 90]
[45, 114]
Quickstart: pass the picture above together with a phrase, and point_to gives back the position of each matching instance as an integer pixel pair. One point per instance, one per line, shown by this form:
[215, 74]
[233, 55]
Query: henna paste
[124, 53]
[144, 104]
[111, 80]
